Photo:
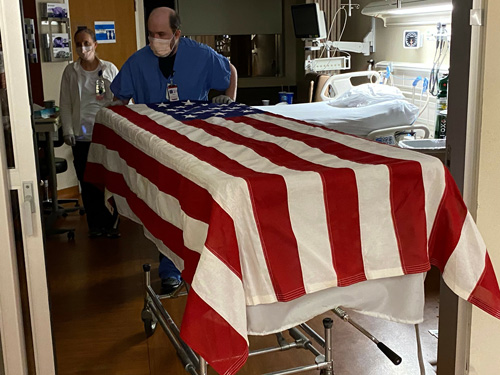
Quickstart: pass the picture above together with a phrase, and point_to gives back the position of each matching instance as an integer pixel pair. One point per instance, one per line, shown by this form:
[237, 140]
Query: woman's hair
[85, 30]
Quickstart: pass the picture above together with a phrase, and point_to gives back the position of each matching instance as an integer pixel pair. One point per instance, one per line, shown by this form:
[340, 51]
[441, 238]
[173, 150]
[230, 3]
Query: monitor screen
[306, 21]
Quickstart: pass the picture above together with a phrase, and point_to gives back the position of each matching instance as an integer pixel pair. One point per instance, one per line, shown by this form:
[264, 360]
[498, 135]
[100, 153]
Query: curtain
[209, 40]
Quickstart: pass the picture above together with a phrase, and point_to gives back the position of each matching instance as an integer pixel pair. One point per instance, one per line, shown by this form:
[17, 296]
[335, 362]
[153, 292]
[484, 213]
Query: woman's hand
[70, 140]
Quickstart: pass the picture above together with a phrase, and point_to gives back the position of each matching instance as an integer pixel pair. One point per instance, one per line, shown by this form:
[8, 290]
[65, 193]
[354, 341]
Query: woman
[82, 95]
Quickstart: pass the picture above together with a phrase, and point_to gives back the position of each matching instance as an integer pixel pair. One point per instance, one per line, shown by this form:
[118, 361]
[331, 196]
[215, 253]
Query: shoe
[113, 233]
[95, 232]
[169, 285]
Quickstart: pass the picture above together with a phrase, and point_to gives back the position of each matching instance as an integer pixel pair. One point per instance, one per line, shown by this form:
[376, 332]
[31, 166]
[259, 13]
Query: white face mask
[85, 52]
[161, 47]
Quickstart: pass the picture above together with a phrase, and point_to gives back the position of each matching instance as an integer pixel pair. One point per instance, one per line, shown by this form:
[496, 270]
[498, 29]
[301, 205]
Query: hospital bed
[382, 121]
[287, 219]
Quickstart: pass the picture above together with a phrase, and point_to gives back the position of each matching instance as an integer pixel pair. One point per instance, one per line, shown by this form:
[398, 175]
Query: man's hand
[117, 102]
[70, 139]
[222, 99]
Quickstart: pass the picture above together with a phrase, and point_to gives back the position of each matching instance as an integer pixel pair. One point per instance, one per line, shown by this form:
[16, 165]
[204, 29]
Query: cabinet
[55, 32]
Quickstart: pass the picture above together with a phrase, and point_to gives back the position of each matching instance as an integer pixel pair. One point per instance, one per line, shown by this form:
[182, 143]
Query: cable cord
[331, 27]
[333, 22]
[420, 111]
[419, 351]
[442, 47]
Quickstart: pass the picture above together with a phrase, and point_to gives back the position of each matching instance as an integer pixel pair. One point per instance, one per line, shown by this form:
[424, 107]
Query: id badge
[172, 94]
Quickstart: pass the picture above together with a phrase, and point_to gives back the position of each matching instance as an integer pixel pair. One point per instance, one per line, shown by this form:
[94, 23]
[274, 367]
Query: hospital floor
[96, 297]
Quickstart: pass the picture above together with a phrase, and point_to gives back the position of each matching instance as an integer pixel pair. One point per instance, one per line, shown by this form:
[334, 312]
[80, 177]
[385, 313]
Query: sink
[423, 144]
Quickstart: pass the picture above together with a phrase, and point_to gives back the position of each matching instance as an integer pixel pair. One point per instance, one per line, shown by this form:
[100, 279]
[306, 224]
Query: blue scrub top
[197, 69]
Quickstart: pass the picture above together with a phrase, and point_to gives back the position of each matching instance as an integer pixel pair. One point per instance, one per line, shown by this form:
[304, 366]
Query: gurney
[278, 214]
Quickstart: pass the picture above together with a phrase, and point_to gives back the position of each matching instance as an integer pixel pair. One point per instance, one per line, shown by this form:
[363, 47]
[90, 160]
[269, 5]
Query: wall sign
[105, 31]
[412, 39]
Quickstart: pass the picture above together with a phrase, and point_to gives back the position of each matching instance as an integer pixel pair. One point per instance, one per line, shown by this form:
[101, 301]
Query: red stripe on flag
[406, 189]
[448, 224]
[222, 241]
[269, 201]
[486, 294]
[340, 194]
[209, 335]
[342, 208]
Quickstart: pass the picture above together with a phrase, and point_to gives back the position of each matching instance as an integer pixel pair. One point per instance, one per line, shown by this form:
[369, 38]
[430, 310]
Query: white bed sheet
[400, 299]
[357, 121]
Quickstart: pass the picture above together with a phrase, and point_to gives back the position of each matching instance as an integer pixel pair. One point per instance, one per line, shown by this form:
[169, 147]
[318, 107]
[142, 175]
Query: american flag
[256, 208]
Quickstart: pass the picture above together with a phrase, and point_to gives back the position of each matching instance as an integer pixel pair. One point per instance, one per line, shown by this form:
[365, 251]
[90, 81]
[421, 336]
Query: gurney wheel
[149, 327]
[149, 321]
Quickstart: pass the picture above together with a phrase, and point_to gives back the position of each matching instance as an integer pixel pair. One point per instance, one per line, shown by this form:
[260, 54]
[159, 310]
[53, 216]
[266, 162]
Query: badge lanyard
[172, 93]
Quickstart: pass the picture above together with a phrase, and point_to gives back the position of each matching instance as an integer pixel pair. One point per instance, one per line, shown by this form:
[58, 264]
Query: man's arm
[231, 90]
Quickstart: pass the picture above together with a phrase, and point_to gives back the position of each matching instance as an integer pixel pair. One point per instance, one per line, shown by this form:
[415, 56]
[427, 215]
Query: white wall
[485, 337]
[389, 45]
[2, 371]
[389, 40]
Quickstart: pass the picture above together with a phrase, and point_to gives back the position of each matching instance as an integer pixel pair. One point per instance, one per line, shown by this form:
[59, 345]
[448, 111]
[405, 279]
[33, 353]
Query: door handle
[28, 207]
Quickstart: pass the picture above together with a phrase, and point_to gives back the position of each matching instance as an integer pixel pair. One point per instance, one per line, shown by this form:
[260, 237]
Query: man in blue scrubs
[171, 60]
[187, 69]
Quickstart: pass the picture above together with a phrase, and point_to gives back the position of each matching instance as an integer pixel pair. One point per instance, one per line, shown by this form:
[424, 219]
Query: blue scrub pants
[167, 269]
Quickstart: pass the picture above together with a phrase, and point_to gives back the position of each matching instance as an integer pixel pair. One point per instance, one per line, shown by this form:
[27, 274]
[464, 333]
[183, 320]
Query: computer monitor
[308, 21]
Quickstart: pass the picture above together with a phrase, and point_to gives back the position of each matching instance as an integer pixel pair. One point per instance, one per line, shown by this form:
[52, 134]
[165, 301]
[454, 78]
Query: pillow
[367, 94]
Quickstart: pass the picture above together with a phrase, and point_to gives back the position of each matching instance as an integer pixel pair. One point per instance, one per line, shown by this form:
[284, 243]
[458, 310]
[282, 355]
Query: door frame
[464, 120]
[13, 348]
[24, 173]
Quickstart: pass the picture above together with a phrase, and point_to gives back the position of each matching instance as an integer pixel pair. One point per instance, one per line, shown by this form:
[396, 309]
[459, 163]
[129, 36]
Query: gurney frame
[153, 313]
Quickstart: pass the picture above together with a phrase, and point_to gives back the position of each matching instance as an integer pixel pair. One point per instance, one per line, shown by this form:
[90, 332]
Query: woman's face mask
[161, 47]
[86, 52]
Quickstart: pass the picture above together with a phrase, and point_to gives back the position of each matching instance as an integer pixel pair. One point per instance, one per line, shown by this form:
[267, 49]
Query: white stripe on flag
[221, 289]
[308, 219]
[465, 267]
[378, 240]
